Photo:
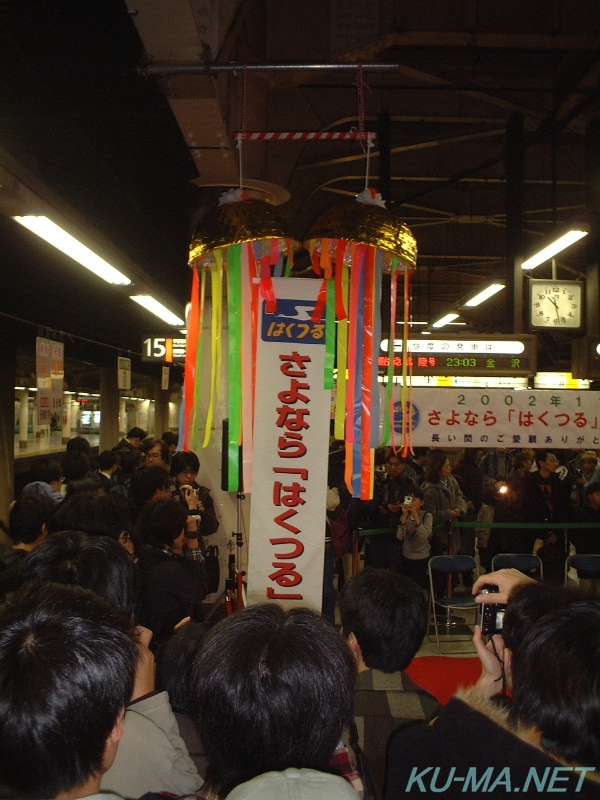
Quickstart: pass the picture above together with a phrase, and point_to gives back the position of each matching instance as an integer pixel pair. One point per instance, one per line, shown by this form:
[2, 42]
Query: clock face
[555, 304]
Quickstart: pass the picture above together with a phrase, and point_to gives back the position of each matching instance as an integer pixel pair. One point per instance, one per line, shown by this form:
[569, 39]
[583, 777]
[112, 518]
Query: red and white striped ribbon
[257, 136]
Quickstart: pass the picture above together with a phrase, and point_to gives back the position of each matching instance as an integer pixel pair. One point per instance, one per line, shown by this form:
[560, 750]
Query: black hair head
[556, 683]
[182, 460]
[174, 657]
[46, 470]
[273, 687]
[136, 433]
[387, 613]
[161, 522]
[27, 516]
[67, 665]
[146, 481]
[93, 562]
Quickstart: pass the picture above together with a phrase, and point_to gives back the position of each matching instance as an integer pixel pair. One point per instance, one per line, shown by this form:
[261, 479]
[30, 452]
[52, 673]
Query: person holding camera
[384, 549]
[414, 531]
[546, 737]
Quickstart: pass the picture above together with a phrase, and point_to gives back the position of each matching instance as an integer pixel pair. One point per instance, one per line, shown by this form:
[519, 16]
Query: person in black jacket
[546, 498]
[385, 549]
[173, 574]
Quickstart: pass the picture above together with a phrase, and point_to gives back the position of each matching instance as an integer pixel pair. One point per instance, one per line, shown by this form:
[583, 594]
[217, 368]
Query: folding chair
[526, 563]
[441, 607]
[589, 564]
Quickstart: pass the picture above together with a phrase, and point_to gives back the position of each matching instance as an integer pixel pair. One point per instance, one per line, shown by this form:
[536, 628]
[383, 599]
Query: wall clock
[555, 304]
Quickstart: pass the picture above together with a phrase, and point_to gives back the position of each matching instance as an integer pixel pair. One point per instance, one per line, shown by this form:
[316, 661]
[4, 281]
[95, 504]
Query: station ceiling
[93, 106]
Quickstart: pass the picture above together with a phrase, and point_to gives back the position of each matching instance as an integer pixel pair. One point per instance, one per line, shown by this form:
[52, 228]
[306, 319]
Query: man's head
[97, 515]
[547, 462]
[522, 460]
[29, 518]
[46, 470]
[108, 461]
[135, 436]
[185, 467]
[395, 464]
[150, 483]
[79, 444]
[528, 604]
[386, 614]
[556, 684]
[172, 440]
[592, 492]
[75, 466]
[420, 455]
[161, 523]
[270, 690]
[93, 562]
[67, 665]
[589, 461]
[155, 452]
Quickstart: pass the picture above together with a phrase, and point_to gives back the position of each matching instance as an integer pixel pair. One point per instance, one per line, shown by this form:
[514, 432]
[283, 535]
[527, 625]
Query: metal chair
[527, 563]
[441, 607]
[584, 562]
[364, 533]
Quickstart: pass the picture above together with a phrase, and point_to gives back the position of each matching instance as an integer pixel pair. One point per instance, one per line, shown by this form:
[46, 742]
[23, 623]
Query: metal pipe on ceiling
[212, 69]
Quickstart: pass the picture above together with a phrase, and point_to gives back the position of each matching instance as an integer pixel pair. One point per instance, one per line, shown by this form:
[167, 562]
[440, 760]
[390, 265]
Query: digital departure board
[480, 356]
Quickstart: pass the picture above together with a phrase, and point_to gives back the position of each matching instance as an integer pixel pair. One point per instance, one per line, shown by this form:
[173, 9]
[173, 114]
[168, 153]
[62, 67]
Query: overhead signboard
[166, 349]
[509, 355]
[560, 418]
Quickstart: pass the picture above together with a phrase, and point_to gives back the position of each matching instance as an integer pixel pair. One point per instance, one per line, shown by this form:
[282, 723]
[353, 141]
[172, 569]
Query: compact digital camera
[408, 499]
[491, 615]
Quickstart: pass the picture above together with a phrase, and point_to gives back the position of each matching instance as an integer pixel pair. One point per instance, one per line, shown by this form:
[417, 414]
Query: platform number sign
[167, 349]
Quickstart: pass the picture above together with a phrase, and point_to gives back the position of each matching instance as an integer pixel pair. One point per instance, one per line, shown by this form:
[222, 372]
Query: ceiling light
[552, 249]
[162, 312]
[486, 293]
[445, 320]
[72, 247]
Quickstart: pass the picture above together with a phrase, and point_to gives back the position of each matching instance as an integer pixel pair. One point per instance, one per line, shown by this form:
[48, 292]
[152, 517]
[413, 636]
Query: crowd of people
[112, 687]
[419, 498]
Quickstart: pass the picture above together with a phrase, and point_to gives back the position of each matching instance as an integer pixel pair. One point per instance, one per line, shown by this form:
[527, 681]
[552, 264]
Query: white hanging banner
[291, 451]
[124, 373]
[562, 418]
[49, 358]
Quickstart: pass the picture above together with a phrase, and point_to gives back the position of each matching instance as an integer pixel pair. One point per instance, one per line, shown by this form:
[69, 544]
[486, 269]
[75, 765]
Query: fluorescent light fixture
[150, 304]
[485, 294]
[445, 320]
[552, 249]
[55, 235]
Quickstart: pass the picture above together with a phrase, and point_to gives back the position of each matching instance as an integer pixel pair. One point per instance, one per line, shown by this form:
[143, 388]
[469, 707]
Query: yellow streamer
[216, 282]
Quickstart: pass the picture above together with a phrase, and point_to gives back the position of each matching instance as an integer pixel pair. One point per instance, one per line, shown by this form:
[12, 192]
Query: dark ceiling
[123, 148]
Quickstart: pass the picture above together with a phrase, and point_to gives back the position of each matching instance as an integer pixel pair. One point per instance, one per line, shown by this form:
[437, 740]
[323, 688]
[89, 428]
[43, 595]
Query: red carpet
[442, 675]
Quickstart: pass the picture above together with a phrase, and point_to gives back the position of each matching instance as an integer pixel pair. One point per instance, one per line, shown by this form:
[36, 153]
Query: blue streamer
[358, 371]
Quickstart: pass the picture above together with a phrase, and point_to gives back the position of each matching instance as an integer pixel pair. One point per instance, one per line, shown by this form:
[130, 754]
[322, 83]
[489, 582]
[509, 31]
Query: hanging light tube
[162, 312]
[485, 294]
[445, 320]
[56, 236]
[560, 244]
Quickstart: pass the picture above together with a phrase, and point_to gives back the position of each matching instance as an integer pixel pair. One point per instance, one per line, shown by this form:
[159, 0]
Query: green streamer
[234, 307]
[329, 334]
[389, 390]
